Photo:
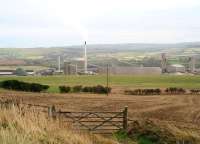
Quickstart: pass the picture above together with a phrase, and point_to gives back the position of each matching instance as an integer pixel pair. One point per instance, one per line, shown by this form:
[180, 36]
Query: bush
[143, 92]
[87, 89]
[194, 91]
[64, 89]
[99, 89]
[174, 90]
[23, 86]
[77, 88]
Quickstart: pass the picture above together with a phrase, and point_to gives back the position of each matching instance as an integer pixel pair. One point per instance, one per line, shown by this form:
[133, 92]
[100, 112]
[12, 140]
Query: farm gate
[97, 122]
[103, 122]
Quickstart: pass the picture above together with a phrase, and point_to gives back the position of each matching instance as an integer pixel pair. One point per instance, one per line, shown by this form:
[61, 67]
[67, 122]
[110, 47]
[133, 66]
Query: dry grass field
[177, 108]
[17, 127]
[179, 114]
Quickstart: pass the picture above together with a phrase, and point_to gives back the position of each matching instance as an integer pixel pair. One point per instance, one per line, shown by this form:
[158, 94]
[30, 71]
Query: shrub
[97, 89]
[23, 86]
[158, 91]
[181, 91]
[194, 91]
[143, 92]
[87, 89]
[64, 89]
[174, 90]
[101, 89]
[77, 88]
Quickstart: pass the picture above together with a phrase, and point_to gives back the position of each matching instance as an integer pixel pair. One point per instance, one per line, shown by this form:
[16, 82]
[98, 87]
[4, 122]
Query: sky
[45, 23]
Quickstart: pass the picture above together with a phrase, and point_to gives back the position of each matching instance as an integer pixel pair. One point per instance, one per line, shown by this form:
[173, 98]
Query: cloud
[73, 21]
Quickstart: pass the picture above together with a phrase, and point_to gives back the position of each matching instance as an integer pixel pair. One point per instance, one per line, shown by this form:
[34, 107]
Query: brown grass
[34, 128]
[180, 110]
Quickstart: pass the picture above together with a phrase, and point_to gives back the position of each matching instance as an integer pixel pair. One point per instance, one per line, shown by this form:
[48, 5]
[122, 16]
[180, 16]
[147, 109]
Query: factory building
[133, 70]
[175, 68]
[69, 69]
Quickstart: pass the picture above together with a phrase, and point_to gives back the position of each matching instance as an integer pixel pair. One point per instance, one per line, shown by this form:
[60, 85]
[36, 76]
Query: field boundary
[96, 121]
[101, 122]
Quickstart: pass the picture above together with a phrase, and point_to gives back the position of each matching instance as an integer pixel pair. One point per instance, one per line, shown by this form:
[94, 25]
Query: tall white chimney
[85, 57]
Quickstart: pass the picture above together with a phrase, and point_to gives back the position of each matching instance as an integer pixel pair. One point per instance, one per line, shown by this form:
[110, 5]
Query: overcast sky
[34, 23]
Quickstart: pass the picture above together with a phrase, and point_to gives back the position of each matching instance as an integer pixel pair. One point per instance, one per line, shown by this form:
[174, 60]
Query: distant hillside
[134, 53]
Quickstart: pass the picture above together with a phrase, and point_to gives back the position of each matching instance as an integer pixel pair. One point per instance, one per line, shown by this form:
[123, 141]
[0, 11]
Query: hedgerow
[143, 92]
[99, 89]
[174, 90]
[77, 88]
[195, 91]
[23, 86]
[64, 89]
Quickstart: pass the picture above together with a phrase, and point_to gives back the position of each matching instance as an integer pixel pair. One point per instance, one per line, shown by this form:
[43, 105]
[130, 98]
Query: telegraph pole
[107, 77]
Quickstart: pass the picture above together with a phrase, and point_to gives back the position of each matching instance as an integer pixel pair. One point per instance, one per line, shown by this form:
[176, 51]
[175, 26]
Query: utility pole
[107, 77]
[58, 63]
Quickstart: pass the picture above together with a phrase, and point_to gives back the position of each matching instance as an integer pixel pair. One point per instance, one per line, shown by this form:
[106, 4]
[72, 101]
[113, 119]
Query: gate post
[125, 118]
[52, 111]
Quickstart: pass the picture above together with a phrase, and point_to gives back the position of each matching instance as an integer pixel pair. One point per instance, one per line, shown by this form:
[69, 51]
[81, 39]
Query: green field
[121, 81]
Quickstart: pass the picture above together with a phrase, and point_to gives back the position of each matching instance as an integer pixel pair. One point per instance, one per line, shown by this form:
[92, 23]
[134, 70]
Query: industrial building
[176, 68]
[69, 69]
[133, 70]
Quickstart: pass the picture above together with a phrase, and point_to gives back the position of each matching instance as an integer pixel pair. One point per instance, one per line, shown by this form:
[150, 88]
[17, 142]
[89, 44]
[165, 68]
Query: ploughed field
[181, 109]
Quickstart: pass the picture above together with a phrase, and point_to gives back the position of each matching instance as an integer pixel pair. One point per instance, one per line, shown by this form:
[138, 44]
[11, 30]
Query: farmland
[116, 82]
[180, 110]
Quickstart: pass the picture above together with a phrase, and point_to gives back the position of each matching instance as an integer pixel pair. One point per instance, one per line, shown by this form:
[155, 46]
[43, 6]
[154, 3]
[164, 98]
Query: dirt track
[180, 108]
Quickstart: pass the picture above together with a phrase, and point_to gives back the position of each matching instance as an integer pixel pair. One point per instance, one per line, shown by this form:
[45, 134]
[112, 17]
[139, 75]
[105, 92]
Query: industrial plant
[80, 66]
[187, 68]
[80, 63]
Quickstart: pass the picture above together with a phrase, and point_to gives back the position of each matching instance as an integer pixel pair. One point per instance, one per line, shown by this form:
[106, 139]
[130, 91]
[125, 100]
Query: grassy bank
[118, 80]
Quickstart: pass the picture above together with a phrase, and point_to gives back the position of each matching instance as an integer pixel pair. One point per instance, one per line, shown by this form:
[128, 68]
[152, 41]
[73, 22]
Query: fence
[97, 122]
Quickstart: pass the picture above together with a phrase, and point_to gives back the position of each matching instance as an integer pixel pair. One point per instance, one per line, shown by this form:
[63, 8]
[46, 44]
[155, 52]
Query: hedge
[23, 86]
[174, 90]
[77, 88]
[194, 91]
[64, 89]
[143, 92]
[99, 89]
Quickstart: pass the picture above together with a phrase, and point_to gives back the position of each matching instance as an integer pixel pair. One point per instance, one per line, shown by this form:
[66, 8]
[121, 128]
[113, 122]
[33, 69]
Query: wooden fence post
[59, 118]
[125, 118]
[49, 111]
[52, 111]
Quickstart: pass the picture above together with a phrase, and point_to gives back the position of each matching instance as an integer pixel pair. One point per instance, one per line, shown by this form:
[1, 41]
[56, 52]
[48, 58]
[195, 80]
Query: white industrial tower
[85, 58]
